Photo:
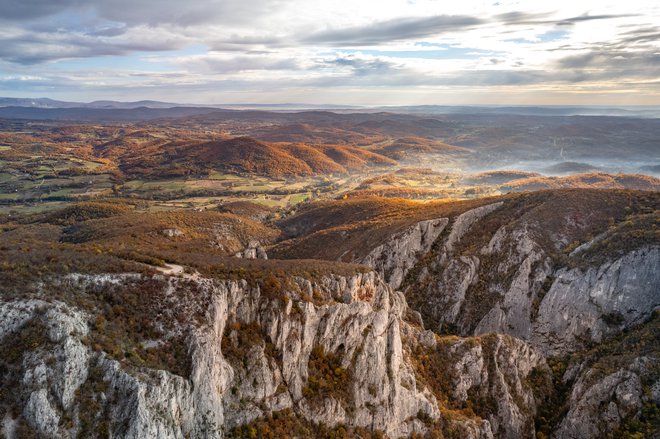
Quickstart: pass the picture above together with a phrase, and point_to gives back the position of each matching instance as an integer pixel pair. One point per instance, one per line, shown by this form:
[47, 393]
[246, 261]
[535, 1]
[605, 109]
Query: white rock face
[597, 406]
[499, 289]
[358, 319]
[495, 367]
[394, 258]
[400, 253]
[465, 221]
[254, 250]
[365, 331]
[579, 303]
[172, 233]
[512, 313]
[41, 414]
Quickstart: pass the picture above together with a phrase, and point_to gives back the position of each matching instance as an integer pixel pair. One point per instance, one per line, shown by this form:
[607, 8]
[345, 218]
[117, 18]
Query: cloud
[313, 45]
[151, 12]
[615, 63]
[520, 17]
[393, 30]
[216, 63]
[523, 18]
[361, 65]
[645, 35]
[185, 13]
[34, 48]
[19, 10]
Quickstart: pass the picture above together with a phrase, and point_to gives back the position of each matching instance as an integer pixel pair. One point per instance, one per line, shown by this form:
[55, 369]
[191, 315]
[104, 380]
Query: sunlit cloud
[400, 52]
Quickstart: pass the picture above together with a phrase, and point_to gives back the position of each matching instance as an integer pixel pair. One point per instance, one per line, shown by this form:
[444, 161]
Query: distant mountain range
[46, 103]
[51, 103]
[117, 105]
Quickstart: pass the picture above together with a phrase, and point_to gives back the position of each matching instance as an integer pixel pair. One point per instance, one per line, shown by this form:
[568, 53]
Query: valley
[284, 219]
[282, 159]
[242, 274]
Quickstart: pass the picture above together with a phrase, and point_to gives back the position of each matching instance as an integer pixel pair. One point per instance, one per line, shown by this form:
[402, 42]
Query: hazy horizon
[92, 100]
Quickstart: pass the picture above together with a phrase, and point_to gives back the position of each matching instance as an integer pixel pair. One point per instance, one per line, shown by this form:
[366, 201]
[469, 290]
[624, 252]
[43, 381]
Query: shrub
[326, 377]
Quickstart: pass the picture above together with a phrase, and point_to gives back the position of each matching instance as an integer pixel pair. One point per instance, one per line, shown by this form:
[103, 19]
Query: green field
[29, 184]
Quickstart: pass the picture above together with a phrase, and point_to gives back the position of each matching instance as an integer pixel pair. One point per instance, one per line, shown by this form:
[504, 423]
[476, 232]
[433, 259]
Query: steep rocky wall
[490, 374]
[512, 285]
[517, 282]
[394, 258]
[599, 406]
[253, 354]
[598, 301]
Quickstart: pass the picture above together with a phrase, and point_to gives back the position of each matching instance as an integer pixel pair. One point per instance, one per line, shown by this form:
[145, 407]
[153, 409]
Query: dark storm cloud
[393, 30]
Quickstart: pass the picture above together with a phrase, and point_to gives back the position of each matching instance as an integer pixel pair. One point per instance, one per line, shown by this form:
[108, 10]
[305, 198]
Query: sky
[339, 52]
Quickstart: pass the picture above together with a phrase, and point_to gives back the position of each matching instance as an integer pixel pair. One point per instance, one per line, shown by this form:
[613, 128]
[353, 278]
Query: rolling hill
[496, 177]
[245, 154]
[416, 149]
[592, 180]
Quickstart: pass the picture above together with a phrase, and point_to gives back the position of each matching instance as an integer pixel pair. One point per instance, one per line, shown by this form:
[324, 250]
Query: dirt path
[177, 270]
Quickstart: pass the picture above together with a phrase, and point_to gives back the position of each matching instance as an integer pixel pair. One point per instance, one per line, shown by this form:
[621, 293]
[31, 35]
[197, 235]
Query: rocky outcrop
[466, 220]
[255, 352]
[400, 253]
[172, 233]
[254, 250]
[359, 323]
[511, 286]
[600, 404]
[598, 301]
[526, 267]
[490, 373]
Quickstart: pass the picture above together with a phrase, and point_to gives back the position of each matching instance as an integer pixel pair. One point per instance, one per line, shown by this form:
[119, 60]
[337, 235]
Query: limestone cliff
[394, 258]
[337, 351]
[511, 284]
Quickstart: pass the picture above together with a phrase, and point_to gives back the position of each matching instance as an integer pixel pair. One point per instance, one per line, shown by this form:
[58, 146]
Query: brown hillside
[593, 180]
[248, 209]
[416, 148]
[248, 155]
[315, 159]
[306, 133]
[147, 233]
[343, 229]
[354, 159]
[348, 229]
[496, 177]
[245, 154]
